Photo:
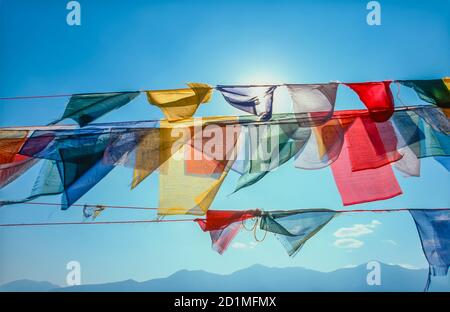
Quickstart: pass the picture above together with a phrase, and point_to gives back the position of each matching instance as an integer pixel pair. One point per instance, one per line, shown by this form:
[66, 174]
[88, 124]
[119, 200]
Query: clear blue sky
[164, 44]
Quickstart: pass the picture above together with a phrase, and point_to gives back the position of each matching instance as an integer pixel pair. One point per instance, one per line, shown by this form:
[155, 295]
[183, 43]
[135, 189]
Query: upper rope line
[43, 96]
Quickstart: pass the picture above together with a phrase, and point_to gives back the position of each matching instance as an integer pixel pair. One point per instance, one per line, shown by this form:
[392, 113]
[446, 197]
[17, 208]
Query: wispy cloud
[357, 229]
[390, 241]
[408, 266]
[349, 266]
[348, 243]
[239, 245]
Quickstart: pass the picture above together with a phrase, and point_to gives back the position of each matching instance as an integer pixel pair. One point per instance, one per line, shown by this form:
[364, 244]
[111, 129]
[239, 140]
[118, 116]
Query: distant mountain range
[257, 278]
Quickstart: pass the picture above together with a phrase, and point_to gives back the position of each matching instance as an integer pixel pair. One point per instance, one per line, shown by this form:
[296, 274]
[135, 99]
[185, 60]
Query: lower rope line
[196, 219]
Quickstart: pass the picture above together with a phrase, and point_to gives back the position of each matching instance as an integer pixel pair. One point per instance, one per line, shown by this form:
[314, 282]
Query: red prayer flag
[373, 144]
[220, 219]
[223, 226]
[365, 185]
[377, 97]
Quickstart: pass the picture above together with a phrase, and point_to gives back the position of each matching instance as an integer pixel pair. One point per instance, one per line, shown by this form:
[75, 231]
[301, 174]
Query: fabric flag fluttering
[15, 163]
[48, 182]
[74, 160]
[434, 231]
[223, 226]
[92, 212]
[83, 171]
[85, 108]
[294, 228]
[256, 100]
[10, 143]
[434, 91]
[316, 101]
[324, 144]
[269, 146]
[180, 104]
[190, 179]
[374, 144]
[377, 97]
[154, 148]
[375, 183]
[12, 171]
[81, 167]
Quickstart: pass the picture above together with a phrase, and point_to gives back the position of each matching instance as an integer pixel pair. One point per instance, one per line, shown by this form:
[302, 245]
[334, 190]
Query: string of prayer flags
[194, 156]
[433, 227]
[294, 228]
[178, 104]
[377, 97]
[314, 100]
[85, 108]
[256, 100]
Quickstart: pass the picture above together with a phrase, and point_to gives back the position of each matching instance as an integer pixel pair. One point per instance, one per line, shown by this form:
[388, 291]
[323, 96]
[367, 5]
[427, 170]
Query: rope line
[213, 87]
[197, 219]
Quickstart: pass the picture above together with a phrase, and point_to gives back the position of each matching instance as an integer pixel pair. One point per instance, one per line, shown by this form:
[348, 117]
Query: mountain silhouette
[28, 285]
[259, 278]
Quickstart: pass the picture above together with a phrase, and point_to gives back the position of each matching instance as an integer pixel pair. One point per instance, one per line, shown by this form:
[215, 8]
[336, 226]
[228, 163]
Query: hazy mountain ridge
[256, 278]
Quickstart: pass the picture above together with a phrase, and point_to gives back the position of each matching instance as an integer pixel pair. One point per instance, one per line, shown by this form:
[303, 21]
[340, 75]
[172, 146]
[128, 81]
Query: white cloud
[348, 243]
[357, 229]
[349, 266]
[239, 245]
[408, 266]
[252, 244]
[390, 241]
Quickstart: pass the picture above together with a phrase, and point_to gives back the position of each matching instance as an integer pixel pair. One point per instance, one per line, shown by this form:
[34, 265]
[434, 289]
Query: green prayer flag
[294, 228]
[85, 108]
[432, 91]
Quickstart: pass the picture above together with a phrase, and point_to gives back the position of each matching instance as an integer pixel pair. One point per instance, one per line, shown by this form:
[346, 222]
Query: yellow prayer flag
[188, 185]
[178, 104]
